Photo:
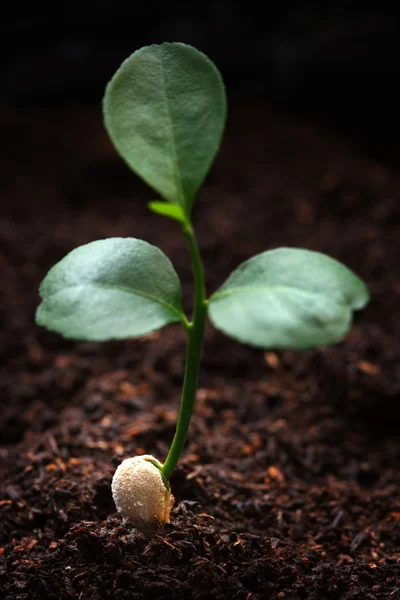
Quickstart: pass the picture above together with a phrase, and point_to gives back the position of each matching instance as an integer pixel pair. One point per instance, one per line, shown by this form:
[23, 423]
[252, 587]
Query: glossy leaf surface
[288, 298]
[110, 289]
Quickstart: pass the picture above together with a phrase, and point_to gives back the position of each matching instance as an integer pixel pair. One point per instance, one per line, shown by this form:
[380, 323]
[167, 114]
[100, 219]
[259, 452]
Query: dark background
[334, 63]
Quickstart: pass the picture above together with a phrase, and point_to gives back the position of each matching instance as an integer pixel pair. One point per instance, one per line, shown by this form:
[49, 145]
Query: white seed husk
[140, 493]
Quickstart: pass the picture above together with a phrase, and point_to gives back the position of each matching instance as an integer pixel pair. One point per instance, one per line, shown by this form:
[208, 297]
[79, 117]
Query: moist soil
[289, 484]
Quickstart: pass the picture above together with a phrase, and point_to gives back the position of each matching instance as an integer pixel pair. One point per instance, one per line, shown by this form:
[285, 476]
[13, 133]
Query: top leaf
[165, 111]
[288, 298]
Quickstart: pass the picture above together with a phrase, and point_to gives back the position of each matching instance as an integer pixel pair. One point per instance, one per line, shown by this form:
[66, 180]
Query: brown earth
[289, 486]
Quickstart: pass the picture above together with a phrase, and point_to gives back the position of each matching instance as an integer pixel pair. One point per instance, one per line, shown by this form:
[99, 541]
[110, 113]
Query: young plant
[165, 111]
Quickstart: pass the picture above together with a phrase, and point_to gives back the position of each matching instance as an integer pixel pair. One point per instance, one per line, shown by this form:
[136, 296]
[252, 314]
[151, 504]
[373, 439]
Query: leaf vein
[133, 292]
[175, 167]
[266, 288]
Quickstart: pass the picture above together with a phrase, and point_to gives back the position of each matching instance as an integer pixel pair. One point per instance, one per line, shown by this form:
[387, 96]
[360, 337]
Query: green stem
[193, 355]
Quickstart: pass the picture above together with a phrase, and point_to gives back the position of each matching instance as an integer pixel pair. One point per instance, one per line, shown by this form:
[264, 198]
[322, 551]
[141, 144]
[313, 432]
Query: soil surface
[289, 487]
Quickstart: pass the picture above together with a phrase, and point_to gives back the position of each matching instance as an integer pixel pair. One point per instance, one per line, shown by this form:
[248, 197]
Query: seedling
[165, 111]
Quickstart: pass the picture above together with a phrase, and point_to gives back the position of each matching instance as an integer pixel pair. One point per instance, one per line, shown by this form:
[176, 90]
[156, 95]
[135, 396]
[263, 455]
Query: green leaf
[288, 298]
[110, 289]
[172, 211]
[165, 111]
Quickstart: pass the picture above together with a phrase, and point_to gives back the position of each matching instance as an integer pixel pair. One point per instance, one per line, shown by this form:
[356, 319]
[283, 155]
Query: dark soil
[289, 487]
